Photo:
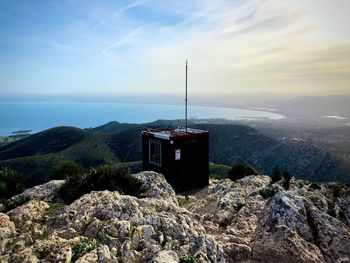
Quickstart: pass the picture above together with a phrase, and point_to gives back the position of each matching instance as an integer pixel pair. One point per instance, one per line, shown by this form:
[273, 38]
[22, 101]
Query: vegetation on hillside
[13, 202]
[241, 170]
[276, 175]
[36, 156]
[66, 170]
[117, 178]
[11, 183]
[218, 171]
[6, 140]
[286, 179]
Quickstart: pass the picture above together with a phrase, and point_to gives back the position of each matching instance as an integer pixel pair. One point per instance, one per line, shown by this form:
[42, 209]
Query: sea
[38, 116]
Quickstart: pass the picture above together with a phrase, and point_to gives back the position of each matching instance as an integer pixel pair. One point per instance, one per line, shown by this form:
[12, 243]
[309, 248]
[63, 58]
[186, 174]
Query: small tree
[103, 178]
[286, 179]
[337, 190]
[239, 171]
[276, 175]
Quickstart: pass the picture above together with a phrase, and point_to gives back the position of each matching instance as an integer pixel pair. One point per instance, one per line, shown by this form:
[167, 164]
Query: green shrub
[286, 180]
[239, 171]
[218, 171]
[74, 187]
[315, 186]
[276, 175]
[67, 169]
[44, 234]
[217, 176]
[14, 202]
[11, 182]
[54, 208]
[188, 259]
[103, 178]
[81, 249]
[268, 191]
[337, 190]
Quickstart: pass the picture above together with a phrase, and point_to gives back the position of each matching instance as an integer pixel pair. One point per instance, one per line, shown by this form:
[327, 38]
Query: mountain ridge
[37, 155]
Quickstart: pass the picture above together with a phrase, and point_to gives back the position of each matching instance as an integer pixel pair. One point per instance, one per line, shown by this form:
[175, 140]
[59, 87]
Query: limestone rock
[165, 257]
[25, 214]
[156, 186]
[23, 256]
[7, 227]
[331, 235]
[151, 219]
[227, 222]
[44, 192]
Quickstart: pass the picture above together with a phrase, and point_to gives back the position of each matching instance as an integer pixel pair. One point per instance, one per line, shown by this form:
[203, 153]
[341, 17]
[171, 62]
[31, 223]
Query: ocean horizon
[38, 116]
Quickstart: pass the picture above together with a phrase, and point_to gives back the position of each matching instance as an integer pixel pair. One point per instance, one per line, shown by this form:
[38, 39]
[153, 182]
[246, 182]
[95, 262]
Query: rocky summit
[248, 220]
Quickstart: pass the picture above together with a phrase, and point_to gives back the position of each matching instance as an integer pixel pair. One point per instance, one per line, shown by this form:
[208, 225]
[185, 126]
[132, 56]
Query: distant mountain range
[37, 155]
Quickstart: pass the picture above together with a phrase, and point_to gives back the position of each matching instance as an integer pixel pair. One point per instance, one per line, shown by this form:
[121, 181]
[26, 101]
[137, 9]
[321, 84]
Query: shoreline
[46, 115]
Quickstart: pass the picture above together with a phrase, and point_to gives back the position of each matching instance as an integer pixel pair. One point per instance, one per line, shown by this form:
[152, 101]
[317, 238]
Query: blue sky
[132, 47]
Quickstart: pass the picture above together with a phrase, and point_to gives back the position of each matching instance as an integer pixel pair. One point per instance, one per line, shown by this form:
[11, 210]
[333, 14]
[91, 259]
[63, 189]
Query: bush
[54, 208]
[268, 192]
[315, 186]
[337, 190]
[67, 169]
[104, 178]
[81, 249]
[74, 187]
[286, 180]
[12, 203]
[239, 171]
[188, 259]
[276, 175]
[11, 182]
[216, 176]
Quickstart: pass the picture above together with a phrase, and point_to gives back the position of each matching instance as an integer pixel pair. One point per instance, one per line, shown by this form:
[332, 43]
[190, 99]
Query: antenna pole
[186, 99]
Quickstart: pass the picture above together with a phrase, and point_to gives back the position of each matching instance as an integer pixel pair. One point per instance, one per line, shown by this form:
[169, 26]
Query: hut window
[155, 152]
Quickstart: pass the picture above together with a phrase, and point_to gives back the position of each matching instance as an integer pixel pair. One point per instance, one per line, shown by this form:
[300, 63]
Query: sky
[140, 47]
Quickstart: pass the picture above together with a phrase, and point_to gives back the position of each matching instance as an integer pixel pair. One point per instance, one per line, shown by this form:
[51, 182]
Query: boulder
[25, 214]
[44, 192]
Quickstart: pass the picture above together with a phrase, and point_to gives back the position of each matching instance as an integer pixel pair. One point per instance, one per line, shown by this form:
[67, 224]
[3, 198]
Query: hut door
[189, 163]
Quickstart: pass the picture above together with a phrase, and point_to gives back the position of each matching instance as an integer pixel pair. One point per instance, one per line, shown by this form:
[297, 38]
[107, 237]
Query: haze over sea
[38, 116]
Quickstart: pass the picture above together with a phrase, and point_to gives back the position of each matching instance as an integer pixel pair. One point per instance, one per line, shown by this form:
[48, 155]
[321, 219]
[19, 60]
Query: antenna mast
[186, 99]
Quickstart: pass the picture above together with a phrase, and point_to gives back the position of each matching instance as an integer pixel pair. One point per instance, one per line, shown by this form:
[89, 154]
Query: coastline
[38, 116]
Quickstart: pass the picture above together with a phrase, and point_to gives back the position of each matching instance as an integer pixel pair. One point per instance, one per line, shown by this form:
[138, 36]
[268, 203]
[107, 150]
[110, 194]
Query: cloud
[232, 45]
[111, 51]
[118, 12]
[254, 45]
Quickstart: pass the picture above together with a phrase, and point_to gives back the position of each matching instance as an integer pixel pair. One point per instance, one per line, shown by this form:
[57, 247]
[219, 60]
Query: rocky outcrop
[45, 192]
[288, 226]
[248, 220]
[153, 228]
[284, 231]
[156, 186]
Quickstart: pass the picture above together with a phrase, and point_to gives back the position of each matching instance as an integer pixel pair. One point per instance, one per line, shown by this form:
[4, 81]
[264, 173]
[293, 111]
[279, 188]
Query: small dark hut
[181, 155]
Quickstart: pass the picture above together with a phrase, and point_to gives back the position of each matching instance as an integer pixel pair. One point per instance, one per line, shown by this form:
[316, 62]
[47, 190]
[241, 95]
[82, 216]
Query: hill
[112, 127]
[37, 155]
